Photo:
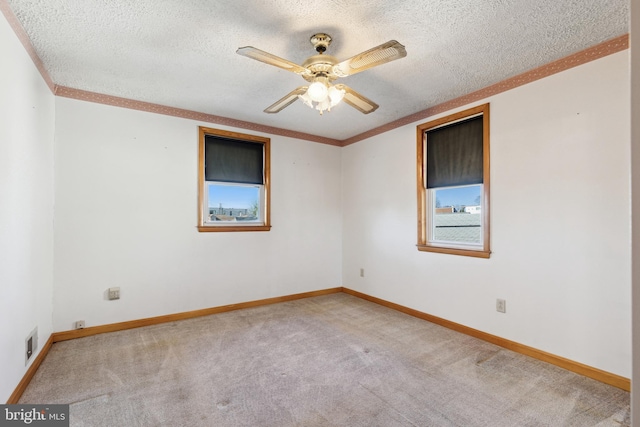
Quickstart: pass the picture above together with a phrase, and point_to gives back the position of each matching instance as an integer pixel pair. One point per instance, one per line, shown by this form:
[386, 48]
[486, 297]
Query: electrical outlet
[80, 324]
[362, 272]
[114, 293]
[501, 305]
[31, 345]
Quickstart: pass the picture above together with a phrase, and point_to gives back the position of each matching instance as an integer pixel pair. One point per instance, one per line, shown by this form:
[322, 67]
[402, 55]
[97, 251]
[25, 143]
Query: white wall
[635, 196]
[561, 145]
[126, 215]
[26, 208]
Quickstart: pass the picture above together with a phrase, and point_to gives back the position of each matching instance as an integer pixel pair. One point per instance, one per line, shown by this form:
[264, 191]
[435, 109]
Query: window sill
[223, 228]
[454, 251]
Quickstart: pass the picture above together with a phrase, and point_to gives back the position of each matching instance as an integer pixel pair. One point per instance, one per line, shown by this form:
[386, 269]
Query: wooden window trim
[423, 243]
[202, 131]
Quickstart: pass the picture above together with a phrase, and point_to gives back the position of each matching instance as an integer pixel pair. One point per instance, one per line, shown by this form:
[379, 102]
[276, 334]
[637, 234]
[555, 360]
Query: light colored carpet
[333, 360]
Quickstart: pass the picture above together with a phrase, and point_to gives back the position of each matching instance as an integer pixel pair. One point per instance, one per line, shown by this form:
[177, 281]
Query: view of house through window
[457, 214]
[229, 202]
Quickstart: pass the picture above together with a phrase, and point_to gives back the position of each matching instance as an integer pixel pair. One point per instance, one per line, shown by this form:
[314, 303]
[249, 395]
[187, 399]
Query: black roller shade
[454, 154]
[232, 160]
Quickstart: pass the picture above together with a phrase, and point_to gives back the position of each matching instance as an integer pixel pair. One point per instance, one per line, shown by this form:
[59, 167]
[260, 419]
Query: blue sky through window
[458, 196]
[233, 196]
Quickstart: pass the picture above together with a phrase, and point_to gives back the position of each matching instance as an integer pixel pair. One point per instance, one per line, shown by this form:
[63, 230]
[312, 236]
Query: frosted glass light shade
[324, 105]
[305, 98]
[336, 95]
[317, 91]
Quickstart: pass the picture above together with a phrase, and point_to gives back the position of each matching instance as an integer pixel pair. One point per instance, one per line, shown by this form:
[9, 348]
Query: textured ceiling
[181, 53]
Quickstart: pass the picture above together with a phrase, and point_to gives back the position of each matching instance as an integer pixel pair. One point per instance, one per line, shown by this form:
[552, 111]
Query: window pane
[233, 203]
[457, 214]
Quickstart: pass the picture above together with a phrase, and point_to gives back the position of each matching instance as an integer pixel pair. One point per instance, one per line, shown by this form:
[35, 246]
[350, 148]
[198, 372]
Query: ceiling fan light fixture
[322, 96]
[325, 104]
[335, 95]
[318, 91]
[306, 99]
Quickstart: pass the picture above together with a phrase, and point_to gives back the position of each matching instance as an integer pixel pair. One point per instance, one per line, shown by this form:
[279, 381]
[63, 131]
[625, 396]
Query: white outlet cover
[501, 305]
[114, 293]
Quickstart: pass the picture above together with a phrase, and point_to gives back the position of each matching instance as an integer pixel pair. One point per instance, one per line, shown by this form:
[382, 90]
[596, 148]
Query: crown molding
[83, 95]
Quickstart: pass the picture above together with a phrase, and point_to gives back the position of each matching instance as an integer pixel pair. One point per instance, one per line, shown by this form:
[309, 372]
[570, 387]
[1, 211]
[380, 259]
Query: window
[233, 181]
[453, 184]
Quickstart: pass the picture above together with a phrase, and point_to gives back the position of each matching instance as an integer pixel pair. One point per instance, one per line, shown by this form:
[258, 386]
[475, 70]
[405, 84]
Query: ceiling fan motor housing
[320, 65]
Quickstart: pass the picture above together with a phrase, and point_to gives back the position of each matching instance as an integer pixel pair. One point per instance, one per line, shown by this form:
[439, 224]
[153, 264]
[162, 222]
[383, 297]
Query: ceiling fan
[322, 70]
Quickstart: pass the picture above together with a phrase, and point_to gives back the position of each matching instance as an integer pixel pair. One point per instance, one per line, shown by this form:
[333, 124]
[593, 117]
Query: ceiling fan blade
[267, 58]
[287, 100]
[357, 101]
[386, 52]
